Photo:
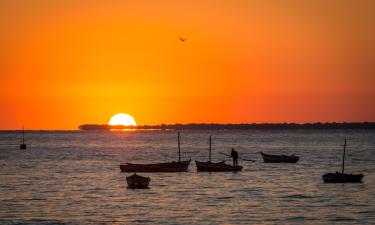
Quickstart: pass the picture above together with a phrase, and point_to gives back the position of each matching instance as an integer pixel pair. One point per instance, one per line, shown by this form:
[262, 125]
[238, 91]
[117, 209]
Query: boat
[342, 177]
[215, 166]
[267, 158]
[179, 166]
[136, 181]
[23, 145]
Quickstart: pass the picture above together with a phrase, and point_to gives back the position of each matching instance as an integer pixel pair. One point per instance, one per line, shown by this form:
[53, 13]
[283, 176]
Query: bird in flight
[182, 39]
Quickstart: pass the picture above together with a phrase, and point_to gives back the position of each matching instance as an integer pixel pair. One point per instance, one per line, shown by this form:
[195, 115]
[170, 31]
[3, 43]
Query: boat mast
[23, 135]
[179, 150]
[23, 145]
[343, 158]
[209, 153]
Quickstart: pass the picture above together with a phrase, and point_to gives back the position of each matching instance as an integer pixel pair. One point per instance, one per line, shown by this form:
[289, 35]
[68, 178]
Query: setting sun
[122, 119]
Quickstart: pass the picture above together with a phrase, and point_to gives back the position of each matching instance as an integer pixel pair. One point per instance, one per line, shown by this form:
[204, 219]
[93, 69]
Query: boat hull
[216, 167]
[136, 181]
[157, 167]
[279, 158]
[342, 178]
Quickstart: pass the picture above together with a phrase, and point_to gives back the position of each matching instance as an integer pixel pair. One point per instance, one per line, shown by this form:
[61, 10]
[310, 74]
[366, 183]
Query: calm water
[74, 178]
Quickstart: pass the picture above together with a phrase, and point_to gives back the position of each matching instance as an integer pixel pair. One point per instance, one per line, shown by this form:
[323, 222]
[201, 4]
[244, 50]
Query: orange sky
[68, 62]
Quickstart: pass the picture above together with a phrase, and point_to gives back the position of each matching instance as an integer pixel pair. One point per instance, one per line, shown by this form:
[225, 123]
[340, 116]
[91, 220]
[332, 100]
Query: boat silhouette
[136, 181]
[267, 158]
[179, 166]
[23, 145]
[215, 166]
[342, 177]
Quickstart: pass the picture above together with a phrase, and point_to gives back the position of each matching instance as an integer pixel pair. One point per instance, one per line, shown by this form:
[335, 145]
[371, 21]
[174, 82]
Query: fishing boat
[342, 177]
[23, 145]
[215, 167]
[136, 181]
[267, 158]
[179, 166]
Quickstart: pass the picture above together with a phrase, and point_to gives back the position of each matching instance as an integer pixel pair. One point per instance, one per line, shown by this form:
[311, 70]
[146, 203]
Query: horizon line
[185, 125]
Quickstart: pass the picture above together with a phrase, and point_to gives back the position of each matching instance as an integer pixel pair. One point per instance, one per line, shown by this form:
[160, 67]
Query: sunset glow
[185, 62]
[122, 119]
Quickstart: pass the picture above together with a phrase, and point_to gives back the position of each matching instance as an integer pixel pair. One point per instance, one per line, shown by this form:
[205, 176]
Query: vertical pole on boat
[179, 150]
[23, 145]
[343, 158]
[23, 135]
[209, 153]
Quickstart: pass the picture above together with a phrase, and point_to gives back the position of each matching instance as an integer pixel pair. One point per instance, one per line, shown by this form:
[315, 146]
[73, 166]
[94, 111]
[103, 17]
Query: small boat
[342, 177]
[179, 166]
[136, 181]
[215, 167]
[279, 158]
[23, 145]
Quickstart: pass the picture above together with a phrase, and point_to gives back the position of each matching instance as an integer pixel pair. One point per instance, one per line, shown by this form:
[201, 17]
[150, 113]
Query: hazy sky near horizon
[68, 62]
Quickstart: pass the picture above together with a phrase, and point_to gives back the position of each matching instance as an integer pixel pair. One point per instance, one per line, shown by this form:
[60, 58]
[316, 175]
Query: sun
[122, 119]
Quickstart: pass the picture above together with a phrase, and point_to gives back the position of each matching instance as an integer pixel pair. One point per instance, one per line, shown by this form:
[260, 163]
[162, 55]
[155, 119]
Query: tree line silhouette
[244, 126]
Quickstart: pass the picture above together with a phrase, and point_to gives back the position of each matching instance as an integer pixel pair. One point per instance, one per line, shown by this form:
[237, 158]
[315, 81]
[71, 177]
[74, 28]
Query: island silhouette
[244, 126]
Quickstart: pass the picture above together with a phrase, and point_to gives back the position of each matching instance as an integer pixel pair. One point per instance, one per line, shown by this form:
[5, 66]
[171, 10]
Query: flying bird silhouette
[182, 39]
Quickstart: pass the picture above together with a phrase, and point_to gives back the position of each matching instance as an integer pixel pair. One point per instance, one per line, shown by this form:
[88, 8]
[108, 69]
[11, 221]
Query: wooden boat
[215, 167]
[180, 166]
[136, 181]
[342, 177]
[23, 145]
[279, 158]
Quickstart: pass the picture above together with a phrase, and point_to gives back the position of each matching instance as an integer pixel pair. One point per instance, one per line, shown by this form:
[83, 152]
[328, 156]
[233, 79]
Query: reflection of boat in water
[136, 181]
[215, 167]
[342, 177]
[180, 166]
[267, 158]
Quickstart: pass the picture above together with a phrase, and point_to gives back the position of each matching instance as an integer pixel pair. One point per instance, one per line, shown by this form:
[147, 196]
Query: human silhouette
[234, 155]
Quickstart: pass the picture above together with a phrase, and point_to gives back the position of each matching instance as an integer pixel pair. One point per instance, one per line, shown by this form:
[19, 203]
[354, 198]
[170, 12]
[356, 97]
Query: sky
[64, 63]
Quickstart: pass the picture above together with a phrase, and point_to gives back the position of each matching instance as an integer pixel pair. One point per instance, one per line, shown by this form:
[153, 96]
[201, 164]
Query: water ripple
[73, 178]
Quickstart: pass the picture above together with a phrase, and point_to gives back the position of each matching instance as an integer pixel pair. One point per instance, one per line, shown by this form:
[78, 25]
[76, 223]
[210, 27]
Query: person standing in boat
[234, 155]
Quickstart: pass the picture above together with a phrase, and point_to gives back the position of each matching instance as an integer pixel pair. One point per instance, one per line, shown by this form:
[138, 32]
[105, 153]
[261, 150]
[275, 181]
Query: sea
[73, 177]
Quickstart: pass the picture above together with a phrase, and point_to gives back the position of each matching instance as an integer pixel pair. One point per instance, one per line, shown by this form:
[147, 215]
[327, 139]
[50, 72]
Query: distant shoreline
[213, 126]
